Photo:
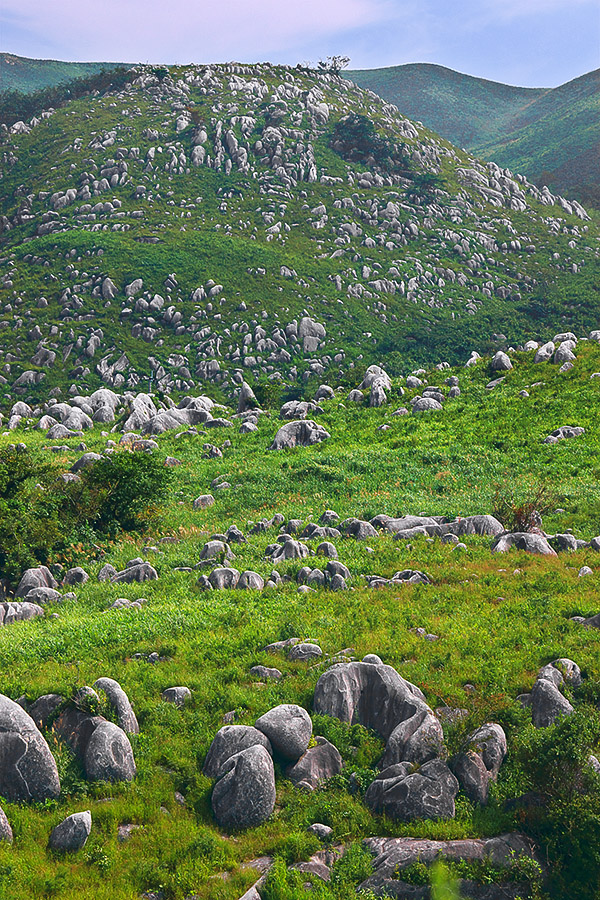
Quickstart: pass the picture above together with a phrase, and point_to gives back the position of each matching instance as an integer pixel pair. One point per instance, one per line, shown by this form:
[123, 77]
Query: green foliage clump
[40, 514]
[519, 505]
[123, 492]
[356, 140]
[30, 521]
[565, 817]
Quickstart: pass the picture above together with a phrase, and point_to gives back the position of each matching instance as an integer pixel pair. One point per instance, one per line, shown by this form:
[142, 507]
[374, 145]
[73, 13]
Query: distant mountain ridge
[19, 73]
[551, 135]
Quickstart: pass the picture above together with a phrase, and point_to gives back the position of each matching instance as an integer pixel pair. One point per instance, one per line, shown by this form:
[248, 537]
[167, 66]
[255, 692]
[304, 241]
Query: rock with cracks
[244, 795]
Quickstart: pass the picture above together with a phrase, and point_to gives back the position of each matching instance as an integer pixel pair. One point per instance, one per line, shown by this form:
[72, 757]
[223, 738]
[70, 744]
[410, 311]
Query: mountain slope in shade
[18, 73]
[552, 135]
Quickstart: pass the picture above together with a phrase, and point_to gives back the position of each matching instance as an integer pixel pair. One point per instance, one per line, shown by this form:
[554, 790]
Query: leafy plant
[520, 505]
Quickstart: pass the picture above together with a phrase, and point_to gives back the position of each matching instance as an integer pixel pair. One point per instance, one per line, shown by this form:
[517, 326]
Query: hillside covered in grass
[18, 73]
[471, 637]
[298, 591]
[551, 135]
[205, 224]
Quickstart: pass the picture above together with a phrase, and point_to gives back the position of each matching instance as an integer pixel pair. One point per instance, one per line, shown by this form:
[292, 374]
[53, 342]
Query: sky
[531, 43]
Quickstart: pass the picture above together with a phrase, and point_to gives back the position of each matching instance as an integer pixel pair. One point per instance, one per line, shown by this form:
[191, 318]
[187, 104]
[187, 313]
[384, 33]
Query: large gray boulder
[244, 795]
[43, 708]
[501, 362]
[479, 763]
[375, 375]
[72, 833]
[418, 739]
[299, 434]
[317, 765]
[138, 572]
[247, 398]
[547, 704]
[40, 576]
[27, 768]
[108, 756]
[228, 741]
[523, 540]
[376, 696]
[544, 353]
[426, 404]
[19, 612]
[288, 728]
[403, 794]
[478, 524]
[119, 701]
[392, 855]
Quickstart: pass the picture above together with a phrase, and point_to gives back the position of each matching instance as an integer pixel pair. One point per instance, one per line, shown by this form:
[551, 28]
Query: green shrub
[123, 492]
[566, 818]
[520, 504]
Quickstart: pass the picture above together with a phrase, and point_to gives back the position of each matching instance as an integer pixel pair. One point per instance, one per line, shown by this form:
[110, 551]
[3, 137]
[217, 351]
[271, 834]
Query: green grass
[498, 619]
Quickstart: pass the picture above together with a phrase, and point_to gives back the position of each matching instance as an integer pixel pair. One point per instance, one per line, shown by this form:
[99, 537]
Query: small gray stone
[72, 833]
[176, 695]
[304, 651]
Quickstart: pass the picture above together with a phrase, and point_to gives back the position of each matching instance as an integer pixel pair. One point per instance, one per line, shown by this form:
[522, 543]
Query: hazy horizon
[539, 43]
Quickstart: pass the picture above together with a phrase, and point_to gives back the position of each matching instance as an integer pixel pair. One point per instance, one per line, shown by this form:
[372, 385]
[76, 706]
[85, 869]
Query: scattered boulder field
[421, 773]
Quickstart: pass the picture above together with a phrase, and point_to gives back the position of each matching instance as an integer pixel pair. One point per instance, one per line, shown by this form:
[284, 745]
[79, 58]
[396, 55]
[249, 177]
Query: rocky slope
[213, 224]
[551, 135]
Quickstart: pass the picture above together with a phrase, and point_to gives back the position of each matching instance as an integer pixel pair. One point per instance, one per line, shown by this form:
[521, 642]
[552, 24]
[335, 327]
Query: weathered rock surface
[479, 764]
[228, 741]
[316, 765]
[392, 855]
[404, 794]
[72, 833]
[108, 755]
[523, 540]
[119, 701]
[244, 794]
[288, 728]
[27, 768]
[301, 433]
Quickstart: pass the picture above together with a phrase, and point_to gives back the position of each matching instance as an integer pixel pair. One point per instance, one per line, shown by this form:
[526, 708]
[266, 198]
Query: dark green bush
[123, 492]
[30, 512]
[41, 515]
[565, 820]
[356, 140]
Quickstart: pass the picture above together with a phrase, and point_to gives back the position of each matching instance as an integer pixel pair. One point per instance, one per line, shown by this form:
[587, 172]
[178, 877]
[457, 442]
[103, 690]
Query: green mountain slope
[165, 248]
[462, 108]
[18, 73]
[190, 221]
[551, 135]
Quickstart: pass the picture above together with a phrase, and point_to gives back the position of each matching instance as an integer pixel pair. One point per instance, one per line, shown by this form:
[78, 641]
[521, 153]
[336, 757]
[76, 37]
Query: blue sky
[537, 43]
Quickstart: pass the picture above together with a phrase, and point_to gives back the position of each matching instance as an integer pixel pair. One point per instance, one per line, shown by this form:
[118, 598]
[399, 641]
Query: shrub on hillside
[40, 514]
[356, 140]
[521, 505]
[30, 512]
[123, 492]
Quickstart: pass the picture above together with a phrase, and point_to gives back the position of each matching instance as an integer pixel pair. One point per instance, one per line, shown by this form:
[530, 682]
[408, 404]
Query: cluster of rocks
[546, 701]
[392, 856]
[240, 758]
[101, 746]
[415, 781]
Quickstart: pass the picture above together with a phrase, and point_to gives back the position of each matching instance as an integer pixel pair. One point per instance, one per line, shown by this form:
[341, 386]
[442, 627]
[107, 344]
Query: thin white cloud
[182, 31]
